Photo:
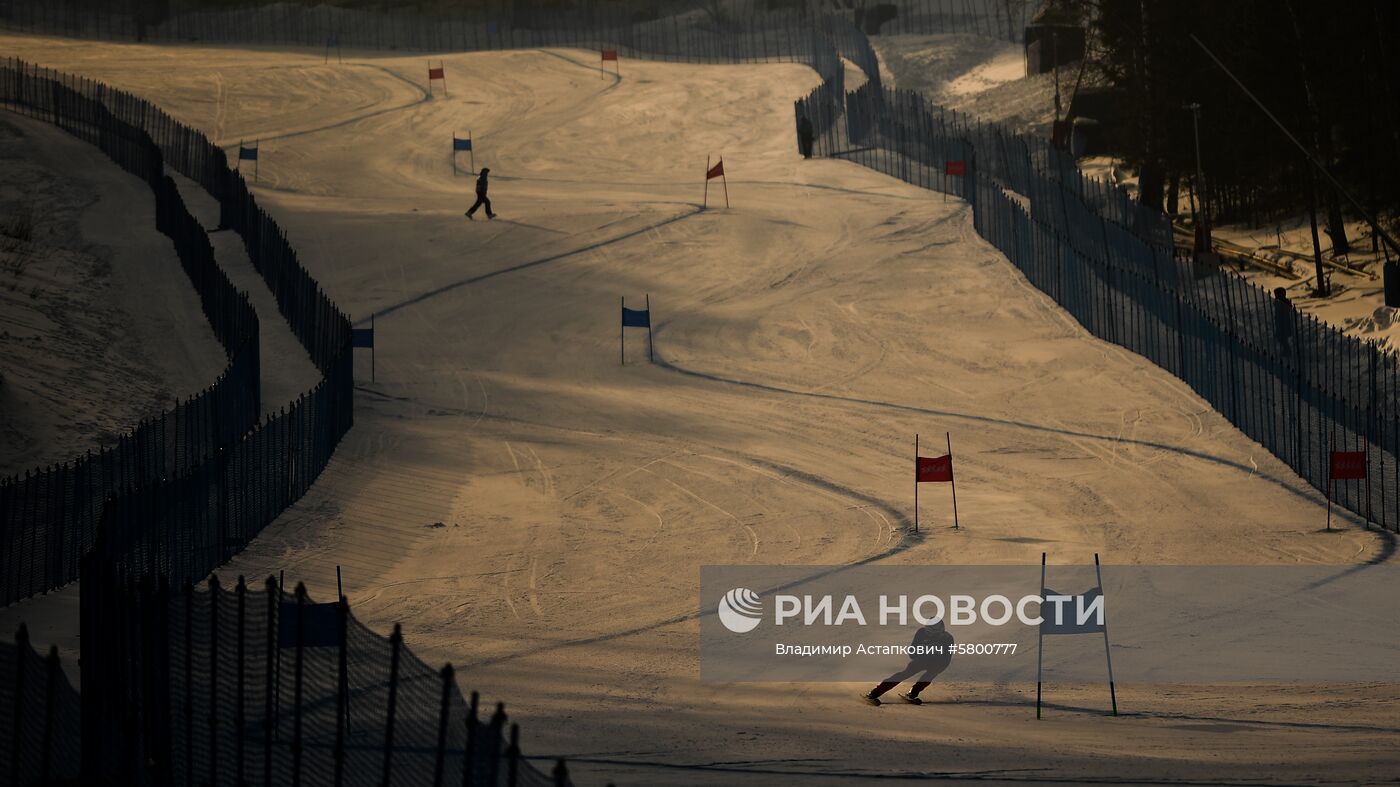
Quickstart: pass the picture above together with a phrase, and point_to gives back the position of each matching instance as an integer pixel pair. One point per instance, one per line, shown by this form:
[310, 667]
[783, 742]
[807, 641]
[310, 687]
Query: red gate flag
[439, 73]
[609, 54]
[958, 167]
[934, 468]
[716, 171]
[1348, 465]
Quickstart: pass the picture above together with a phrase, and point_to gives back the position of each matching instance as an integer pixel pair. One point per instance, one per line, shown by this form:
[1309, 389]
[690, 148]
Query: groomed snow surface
[536, 513]
[981, 77]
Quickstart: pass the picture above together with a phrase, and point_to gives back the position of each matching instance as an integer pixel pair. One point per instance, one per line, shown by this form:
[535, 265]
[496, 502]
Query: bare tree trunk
[1322, 148]
[1312, 220]
[1336, 224]
[1150, 174]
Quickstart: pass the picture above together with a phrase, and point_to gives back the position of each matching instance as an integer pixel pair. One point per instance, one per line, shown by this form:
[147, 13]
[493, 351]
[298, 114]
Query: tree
[1321, 67]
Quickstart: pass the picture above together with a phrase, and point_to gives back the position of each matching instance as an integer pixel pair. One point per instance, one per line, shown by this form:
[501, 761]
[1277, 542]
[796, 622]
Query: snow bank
[100, 326]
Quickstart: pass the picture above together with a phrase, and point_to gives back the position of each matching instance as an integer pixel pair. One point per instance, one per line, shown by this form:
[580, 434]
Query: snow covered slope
[981, 77]
[99, 326]
[536, 513]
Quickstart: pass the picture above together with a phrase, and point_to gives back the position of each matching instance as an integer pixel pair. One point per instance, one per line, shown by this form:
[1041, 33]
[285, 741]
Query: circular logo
[741, 610]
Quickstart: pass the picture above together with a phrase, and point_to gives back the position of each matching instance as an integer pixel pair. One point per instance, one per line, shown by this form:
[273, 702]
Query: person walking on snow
[481, 198]
[932, 637]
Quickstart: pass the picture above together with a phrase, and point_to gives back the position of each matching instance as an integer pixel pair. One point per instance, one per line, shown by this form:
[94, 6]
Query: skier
[929, 664]
[804, 136]
[481, 198]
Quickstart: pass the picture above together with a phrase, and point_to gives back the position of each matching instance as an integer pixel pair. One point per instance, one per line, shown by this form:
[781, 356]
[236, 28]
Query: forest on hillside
[1325, 69]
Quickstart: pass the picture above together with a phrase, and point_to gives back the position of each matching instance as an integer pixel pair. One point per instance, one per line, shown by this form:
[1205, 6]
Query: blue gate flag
[247, 154]
[1091, 601]
[320, 625]
[461, 144]
[636, 318]
[361, 337]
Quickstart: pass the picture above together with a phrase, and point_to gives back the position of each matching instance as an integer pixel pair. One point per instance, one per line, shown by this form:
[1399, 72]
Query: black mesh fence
[711, 29]
[188, 526]
[184, 491]
[39, 717]
[254, 686]
[48, 517]
[1300, 387]
[710, 34]
[210, 462]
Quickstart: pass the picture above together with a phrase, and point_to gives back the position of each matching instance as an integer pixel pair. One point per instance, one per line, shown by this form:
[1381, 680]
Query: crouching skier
[933, 654]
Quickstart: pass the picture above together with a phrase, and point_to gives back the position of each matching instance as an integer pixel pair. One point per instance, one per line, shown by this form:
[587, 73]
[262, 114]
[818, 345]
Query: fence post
[16, 744]
[213, 709]
[513, 757]
[395, 643]
[93, 628]
[146, 609]
[342, 692]
[269, 670]
[443, 712]
[239, 715]
[561, 774]
[189, 682]
[1372, 438]
[223, 547]
[469, 760]
[50, 689]
[498, 724]
[297, 684]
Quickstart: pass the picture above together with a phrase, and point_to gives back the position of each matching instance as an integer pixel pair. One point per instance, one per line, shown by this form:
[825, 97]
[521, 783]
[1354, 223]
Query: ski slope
[980, 77]
[536, 513]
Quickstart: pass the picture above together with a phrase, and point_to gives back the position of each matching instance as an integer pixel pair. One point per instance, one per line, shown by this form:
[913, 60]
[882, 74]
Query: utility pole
[1203, 244]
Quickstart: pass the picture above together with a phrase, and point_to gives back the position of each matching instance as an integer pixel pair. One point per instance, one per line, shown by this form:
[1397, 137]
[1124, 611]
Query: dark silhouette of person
[481, 198]
[1283, 319]
[927, 665]
[804, 136]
